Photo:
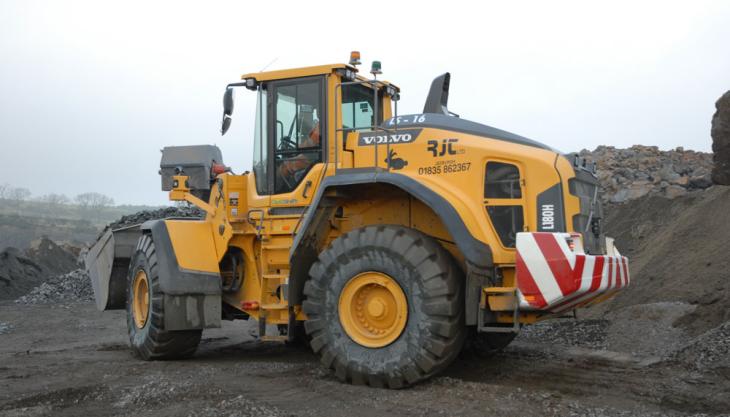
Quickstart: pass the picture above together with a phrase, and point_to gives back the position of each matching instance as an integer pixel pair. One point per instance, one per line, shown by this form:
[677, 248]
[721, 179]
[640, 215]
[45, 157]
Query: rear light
[575, 242]
[250, 305]
[571, 243]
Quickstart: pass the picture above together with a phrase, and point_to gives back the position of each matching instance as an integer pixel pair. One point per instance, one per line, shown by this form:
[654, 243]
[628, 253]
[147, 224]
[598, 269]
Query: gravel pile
[628, 174]
[74, 287]
[165, 212]
[648, 329]
[709, 351]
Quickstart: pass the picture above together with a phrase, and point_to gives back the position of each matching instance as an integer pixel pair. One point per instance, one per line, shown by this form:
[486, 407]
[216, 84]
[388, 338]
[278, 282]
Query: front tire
[385, 307]
[145, 310]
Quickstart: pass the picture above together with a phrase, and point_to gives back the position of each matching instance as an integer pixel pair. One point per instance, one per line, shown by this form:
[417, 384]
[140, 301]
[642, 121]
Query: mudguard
[192, 298]
[551, 276]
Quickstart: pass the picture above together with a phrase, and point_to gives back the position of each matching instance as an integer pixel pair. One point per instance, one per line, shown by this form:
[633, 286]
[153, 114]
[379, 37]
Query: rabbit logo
[395, 163]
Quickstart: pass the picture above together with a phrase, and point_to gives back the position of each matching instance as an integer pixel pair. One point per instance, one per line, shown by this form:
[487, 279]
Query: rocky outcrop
[721, 140]
[627, 174]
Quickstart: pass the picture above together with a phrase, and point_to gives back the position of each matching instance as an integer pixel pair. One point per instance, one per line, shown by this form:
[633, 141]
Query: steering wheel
[286, 143]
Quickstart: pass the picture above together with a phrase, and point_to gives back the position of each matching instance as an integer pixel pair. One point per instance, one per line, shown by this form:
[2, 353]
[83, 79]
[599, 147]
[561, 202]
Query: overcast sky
[90, 91]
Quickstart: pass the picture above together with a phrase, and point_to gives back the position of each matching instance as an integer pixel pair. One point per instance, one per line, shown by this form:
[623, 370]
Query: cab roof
[294, 72]
[304, 72]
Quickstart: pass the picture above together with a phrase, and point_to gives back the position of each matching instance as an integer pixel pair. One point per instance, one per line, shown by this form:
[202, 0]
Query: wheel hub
[140, 299]
[373, 309]
[377, 308]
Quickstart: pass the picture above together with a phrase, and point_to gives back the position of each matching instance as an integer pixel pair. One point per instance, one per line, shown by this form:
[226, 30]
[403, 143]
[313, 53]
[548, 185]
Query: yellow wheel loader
[383, 240]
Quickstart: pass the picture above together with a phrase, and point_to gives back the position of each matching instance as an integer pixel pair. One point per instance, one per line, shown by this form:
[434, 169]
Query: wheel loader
[384, 241]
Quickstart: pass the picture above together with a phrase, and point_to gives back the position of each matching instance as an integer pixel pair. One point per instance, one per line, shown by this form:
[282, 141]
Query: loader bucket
[108, 262]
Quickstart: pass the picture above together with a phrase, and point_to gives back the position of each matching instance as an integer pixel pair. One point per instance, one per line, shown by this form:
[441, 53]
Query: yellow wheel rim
[373, 309]
[140, 299]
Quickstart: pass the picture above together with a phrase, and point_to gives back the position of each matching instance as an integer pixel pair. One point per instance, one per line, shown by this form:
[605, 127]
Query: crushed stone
[74, 287]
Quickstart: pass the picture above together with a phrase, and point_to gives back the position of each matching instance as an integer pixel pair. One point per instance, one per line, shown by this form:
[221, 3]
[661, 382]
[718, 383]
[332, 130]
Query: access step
[501, 298]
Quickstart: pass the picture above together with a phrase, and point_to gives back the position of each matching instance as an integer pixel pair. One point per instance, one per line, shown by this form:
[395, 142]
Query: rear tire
[430, 338]
[147, 336]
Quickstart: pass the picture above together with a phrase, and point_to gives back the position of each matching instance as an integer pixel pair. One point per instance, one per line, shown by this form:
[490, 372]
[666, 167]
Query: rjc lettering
[445, 148]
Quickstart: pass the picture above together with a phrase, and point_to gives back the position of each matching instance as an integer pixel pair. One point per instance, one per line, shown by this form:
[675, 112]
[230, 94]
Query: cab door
[289, 144]
[298, 138]
[289, 163]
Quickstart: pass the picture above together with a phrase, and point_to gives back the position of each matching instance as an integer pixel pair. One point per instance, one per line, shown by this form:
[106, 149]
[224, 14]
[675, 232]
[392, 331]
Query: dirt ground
[71, 360]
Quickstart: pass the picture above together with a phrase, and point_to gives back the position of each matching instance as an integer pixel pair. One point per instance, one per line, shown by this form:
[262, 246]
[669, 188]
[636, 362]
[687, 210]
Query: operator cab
[295, 125]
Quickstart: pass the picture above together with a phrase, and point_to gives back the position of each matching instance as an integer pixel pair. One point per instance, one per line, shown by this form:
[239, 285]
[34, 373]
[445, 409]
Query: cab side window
[503, 201]
[503, 181]
[358, 107]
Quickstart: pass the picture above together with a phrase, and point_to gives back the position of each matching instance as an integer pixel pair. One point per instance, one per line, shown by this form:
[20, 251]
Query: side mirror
[227, 110]
[225, 124]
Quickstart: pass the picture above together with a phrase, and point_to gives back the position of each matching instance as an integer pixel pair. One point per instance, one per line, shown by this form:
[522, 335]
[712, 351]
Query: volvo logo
[399, 136]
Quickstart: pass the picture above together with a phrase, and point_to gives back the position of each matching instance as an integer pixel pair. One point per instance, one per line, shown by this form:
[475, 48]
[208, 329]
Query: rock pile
[54, 258]
[21, 271]
[627, 174]
[73, 287]
[721, 140]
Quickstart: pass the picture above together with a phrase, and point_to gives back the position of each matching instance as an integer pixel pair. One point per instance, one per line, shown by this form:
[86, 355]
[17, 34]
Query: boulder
[674, 191]
[639, 189]
[721, 140]
[683, 181]
[700, 182]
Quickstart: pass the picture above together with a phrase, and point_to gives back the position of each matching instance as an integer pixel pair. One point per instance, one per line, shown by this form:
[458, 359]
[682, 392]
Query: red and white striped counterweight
[554, 274]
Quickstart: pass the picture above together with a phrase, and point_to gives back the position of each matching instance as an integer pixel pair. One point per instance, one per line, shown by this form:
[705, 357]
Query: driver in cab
[301, 162]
